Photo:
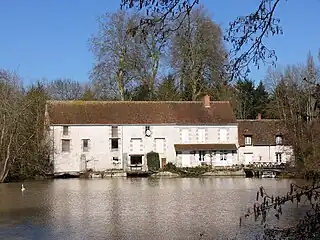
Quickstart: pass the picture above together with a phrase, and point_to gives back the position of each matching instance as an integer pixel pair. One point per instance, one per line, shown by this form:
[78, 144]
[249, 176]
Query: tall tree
[246, 33]
[150, 49]
[168, 89]
[115, 55]
[34, 156]
[260, 100]
[13, 116]
[245, 95]
[198, 55]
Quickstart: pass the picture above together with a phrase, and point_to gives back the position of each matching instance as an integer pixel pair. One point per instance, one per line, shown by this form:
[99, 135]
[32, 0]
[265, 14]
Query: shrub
[170, 167]
[153, 161]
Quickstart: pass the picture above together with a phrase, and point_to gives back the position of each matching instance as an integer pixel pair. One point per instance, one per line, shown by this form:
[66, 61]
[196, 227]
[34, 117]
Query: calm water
[121, 208]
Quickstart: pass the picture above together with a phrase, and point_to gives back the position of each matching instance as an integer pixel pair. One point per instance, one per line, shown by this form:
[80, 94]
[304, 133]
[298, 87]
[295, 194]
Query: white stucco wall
[100, 153]
[187, 159]
[264, 154]
[172, 135]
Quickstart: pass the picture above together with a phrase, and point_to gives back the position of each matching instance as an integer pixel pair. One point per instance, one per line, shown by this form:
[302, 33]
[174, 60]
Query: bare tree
[13, 114]
[149, 59]
[114, 53]
[65, 89]
[294, 102]
[166, 13]
[198, 54]
[246, 33]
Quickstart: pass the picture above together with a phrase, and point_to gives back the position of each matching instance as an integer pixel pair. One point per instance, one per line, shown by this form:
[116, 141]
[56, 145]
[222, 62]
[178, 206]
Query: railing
[270, 165]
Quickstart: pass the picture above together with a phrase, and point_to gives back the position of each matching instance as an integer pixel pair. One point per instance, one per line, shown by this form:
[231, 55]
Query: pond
[135, 208]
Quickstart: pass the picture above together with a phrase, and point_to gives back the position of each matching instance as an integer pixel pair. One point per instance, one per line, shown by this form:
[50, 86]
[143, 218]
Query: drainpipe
[269, 154]
[54, 146]
[122, 149]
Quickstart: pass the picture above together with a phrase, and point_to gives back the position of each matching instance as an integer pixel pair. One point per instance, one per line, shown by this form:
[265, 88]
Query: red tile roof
[139, 112]
[263, 131]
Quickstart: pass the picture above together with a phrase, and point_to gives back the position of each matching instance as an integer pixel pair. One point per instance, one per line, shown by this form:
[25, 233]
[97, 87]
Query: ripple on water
[138, 208]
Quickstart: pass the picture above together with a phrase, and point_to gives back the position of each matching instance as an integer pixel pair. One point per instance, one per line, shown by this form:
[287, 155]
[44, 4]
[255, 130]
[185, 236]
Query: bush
[153, 161]
[170, 167]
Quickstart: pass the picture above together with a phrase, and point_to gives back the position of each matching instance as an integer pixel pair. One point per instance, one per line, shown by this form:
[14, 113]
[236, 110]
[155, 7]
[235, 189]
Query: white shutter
[159, 145]
[223, 135]
[201, 135]
[185, 135]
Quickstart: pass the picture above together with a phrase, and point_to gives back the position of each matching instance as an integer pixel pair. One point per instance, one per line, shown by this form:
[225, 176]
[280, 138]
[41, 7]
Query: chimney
[206, 101]
[259, 116]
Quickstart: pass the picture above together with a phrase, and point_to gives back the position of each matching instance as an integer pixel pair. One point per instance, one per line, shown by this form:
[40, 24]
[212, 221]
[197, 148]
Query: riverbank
[171, 171]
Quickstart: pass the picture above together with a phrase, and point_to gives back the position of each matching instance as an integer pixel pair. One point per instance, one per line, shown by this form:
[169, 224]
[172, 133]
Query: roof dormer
[279, 139]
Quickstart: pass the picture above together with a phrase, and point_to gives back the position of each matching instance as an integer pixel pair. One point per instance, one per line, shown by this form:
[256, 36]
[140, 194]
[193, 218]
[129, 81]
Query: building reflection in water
[140, 208]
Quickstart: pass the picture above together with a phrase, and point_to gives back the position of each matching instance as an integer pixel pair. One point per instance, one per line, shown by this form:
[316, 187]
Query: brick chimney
[259, 116]
[206, 101]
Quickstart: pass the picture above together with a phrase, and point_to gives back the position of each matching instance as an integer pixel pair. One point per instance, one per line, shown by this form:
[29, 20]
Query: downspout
[269, 154]
[54, 147]
[122, 150]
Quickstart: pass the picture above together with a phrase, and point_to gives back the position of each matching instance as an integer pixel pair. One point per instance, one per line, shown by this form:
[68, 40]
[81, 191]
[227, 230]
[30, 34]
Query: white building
[102, 135]
[263, 141]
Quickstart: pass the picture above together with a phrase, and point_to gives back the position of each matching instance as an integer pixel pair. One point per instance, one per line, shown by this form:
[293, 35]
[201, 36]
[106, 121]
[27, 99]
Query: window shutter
[131, 145]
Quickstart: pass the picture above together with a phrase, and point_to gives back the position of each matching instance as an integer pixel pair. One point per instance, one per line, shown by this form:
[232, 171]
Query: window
[278, 157]
[136, 159]
[114, 144]
[65, 145]
[185, 135]
[201, 135]
[159, 145]
[223, 155]
[248, 140]
[147, 128]
[279, 140]
[114, 131]
[65, 130]
[223, 135]
[201, 155]
[85, 145]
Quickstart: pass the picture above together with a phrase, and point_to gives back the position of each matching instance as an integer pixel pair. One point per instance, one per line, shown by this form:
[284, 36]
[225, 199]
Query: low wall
[165, 174]
[226, 173]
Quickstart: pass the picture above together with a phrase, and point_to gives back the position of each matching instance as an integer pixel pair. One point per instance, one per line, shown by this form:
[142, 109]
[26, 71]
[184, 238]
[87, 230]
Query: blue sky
[49, 39]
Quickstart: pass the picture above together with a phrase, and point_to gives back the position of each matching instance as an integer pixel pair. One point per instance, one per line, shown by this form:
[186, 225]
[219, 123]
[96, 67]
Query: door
[163, 162]
[248, 158]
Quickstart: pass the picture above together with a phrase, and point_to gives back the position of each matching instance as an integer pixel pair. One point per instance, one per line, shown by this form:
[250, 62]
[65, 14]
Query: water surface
[136, 208]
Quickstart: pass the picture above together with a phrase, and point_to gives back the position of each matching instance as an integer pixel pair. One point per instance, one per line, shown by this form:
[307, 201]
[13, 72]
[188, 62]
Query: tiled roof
[263, 131]
[139, 112]
[194, 147]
